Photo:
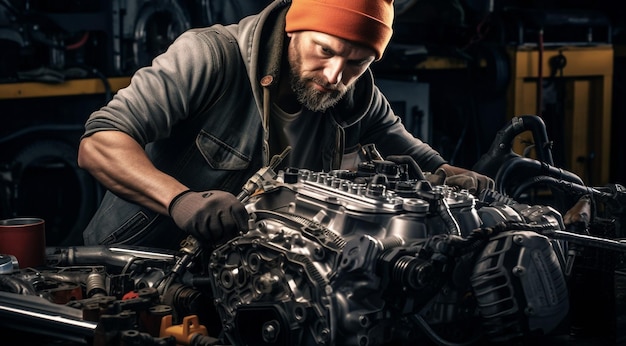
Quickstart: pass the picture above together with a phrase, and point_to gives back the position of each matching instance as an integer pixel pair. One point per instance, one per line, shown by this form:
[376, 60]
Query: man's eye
[327, 51]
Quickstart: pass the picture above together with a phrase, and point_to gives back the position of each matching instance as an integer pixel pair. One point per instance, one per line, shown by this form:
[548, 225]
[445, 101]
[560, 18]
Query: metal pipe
[35, 314]
[589, 240]
[117, 256]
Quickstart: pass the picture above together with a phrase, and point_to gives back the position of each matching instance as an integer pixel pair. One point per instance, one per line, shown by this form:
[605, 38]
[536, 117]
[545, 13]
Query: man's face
[324, 67]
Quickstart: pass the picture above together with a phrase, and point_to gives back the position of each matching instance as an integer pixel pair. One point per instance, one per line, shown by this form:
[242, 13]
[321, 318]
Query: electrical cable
[108, 92]
[81, 42]
[563, 185]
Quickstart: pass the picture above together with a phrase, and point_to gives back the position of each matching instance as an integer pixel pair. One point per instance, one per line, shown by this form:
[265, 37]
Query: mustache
[338, 88]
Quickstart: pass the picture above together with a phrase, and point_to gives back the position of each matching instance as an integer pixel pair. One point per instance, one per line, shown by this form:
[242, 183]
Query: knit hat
[366, 22]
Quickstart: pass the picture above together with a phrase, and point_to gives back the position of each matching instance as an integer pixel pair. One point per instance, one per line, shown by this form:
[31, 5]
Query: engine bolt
[518, 271]
[270, 331]
[364, 321]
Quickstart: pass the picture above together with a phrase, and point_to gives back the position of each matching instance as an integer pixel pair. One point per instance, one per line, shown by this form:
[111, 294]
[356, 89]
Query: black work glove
[213, 217]
[468, 180]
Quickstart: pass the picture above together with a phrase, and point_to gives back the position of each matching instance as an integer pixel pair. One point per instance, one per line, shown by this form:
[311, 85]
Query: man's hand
[463, 178]
[212, 217]
[471, 181]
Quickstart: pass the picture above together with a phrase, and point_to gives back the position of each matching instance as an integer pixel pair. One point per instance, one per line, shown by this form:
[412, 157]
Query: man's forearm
[122, 166]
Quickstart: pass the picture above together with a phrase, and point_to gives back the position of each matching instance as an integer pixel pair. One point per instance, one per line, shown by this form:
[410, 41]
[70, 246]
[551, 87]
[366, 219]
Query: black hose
[480, 236]
[566, 186]
[543, 146]
[501, 149]
[523, 166]
[443, 210]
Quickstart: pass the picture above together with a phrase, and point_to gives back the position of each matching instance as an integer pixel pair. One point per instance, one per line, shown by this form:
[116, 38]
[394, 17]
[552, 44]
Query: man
[223, 100]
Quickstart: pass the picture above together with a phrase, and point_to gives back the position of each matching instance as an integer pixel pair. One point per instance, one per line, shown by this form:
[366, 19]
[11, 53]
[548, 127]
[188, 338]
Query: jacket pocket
[219, 155]
[132, 229]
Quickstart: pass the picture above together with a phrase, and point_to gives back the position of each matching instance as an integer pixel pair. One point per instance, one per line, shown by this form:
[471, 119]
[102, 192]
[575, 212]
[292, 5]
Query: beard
[313, 99]
[309, 97]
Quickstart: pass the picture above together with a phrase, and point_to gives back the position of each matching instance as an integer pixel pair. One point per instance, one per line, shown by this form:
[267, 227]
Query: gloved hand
[212, 217]
[469, 180]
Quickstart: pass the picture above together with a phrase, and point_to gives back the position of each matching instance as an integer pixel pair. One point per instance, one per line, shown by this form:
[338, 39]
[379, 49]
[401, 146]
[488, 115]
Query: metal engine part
[371, 257]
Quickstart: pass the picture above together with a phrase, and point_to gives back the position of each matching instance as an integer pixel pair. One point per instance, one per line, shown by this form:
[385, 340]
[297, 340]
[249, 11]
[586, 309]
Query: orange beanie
[367, 22]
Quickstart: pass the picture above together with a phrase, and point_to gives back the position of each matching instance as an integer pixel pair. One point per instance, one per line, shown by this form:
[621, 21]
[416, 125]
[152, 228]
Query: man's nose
[334, 70]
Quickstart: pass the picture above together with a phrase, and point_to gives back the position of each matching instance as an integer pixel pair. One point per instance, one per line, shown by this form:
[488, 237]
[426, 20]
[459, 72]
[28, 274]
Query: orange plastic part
[182, 332]
[130, 295]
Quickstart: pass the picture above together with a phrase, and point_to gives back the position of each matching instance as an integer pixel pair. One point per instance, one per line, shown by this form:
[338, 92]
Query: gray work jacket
[201, 111]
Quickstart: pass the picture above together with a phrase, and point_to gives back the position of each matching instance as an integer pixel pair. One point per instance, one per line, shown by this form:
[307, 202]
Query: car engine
[374, 256]
[366, 257]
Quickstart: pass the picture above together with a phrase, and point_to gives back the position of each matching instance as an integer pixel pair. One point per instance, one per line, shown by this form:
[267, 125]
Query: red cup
[24, 238]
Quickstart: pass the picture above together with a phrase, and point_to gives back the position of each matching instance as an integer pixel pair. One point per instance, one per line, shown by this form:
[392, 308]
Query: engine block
[372, 257]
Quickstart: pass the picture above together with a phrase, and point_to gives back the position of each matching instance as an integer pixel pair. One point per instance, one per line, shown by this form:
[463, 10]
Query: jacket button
[267, 80]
